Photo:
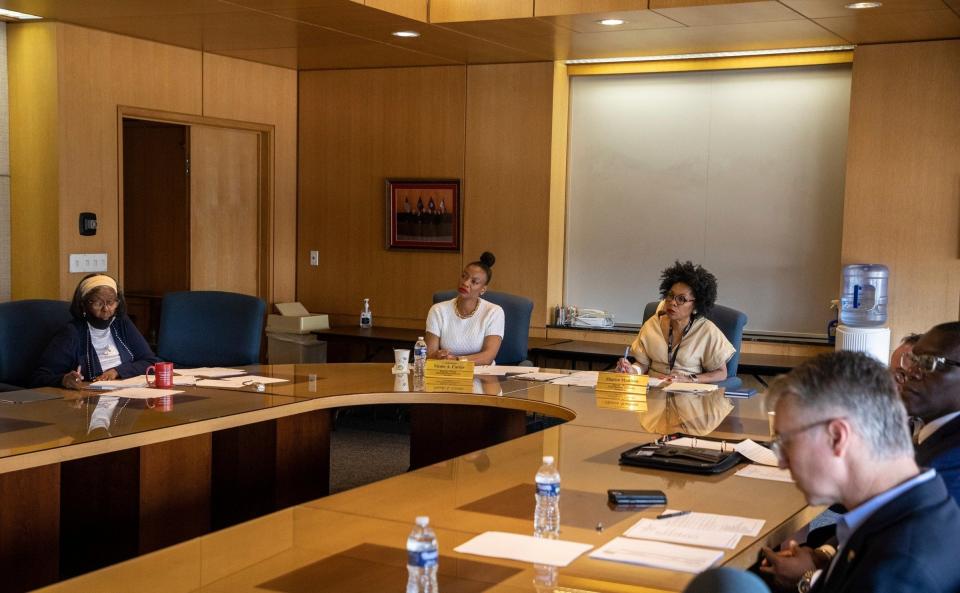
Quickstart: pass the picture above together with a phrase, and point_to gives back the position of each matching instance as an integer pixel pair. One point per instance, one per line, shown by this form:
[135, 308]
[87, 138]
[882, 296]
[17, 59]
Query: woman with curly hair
[679, 343]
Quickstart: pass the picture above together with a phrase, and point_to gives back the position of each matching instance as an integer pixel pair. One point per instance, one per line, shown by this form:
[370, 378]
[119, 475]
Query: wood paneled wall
[902, 200]
[509, 119]
[358, 127]
[93, 73]
[487, 125]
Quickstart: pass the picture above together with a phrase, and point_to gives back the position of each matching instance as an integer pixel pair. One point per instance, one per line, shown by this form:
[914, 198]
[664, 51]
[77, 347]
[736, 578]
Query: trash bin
[284, 348]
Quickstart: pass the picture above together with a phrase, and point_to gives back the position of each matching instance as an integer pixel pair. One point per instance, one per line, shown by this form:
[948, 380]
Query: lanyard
[672, 357]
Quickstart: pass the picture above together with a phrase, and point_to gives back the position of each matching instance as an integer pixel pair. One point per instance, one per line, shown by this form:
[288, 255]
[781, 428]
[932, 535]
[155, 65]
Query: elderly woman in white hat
[99, 344]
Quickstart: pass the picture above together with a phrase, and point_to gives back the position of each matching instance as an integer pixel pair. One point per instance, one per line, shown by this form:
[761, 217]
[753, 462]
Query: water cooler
[863, 311]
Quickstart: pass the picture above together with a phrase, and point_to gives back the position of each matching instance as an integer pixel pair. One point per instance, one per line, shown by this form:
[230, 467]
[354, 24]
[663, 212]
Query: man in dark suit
[931, 392]
[841, 429]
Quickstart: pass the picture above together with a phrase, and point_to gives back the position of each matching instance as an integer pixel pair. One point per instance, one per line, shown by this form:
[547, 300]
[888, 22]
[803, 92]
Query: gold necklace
[456, 307]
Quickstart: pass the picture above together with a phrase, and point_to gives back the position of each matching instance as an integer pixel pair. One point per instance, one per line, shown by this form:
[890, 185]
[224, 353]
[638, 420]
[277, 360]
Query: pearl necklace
[456, 307]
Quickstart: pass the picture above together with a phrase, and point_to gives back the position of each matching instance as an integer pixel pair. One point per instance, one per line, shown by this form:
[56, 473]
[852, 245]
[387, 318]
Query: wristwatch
[694, 378]
[806, 582]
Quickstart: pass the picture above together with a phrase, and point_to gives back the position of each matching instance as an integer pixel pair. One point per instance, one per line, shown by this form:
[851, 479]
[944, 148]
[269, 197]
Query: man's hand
[788, 565]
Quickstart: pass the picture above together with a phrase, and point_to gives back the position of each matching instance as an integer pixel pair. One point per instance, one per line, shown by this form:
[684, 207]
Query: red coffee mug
[163, 375]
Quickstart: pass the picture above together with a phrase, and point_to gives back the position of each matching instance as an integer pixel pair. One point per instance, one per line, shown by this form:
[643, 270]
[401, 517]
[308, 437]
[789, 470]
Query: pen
[672, 515]
[626, 352]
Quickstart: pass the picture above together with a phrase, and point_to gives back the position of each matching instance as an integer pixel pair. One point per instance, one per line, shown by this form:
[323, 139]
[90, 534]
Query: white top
[105, 347]
[464, 336]
[703, 349]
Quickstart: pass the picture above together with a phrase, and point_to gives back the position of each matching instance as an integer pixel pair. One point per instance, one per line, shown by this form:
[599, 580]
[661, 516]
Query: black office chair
[731, 322]
[516, 324]
[210, 328]
[26, 327]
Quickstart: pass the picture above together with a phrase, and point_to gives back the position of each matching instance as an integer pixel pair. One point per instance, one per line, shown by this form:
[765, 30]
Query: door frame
[265, 177]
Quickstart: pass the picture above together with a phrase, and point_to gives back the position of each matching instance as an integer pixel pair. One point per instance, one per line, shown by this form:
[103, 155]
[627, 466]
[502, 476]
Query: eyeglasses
[98, 304]
[680, 299]
[780, 439]
[917, 365]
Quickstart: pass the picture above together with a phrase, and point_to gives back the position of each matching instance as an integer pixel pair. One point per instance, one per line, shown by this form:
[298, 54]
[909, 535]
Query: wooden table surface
[354, 540]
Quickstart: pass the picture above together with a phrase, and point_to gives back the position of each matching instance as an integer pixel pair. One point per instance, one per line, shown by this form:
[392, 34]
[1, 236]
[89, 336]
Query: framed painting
[423, 214]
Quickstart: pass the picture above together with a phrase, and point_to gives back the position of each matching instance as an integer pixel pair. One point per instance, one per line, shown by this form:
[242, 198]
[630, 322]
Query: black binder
[661, 454]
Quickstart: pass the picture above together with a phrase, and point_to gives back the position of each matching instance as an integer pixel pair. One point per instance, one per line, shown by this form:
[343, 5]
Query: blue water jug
[863, 302]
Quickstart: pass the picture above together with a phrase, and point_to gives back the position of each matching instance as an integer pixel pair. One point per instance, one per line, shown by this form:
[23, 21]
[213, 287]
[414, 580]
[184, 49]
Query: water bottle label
[548, 489]
[424, 559]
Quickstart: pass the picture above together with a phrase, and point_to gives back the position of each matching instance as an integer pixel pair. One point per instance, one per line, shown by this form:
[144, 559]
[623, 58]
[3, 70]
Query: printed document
[765, 472]
[711, 522]
[665, 530]
[501, 370]
[657, 554]
[756, 453]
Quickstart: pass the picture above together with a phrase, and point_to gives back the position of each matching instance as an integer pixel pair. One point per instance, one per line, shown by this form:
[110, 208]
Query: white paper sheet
[239, 382]
[210, 372]
[501, 370]
[525, 548]
[679, 387]
[665, 530]
[138, 381]
[756, 453]
[702, 444]
[711, 522]
[764, 472]
[657, 554]
[581, 379]
[540, 376]
[143, 392]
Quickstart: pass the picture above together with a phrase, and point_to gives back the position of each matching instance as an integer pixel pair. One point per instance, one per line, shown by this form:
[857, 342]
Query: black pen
[672, 515]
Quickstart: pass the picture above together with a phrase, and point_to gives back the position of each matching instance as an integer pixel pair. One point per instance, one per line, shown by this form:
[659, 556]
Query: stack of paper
[678, 387]
[581, 379]
[645, 541]
[209, 372]
[239, 382]
[538, 376]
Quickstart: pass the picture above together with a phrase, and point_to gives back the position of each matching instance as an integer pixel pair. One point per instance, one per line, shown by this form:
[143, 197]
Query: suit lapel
[945, 437]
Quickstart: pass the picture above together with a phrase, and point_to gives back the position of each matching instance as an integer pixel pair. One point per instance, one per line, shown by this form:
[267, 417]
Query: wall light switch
[314, 258]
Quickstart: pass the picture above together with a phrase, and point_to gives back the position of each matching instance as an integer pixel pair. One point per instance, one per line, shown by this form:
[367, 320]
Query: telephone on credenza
[582, 317]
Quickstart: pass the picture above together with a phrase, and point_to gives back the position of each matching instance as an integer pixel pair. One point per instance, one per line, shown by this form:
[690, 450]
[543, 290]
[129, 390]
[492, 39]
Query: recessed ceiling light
[611, 22]
[406, 34]
[18, 15]
[863, 5]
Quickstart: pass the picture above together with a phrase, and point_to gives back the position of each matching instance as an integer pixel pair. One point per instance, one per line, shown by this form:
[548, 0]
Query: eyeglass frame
[778, 443]
[101, 304]
[910, 363]
[676, 298]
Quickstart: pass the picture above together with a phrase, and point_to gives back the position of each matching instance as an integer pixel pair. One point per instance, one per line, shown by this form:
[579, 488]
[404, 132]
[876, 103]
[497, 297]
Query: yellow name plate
[626, 402]
[445, 385]
[622, 383]
[449, 369]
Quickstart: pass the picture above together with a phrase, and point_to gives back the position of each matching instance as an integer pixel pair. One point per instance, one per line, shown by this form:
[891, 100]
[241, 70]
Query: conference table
[167, 467]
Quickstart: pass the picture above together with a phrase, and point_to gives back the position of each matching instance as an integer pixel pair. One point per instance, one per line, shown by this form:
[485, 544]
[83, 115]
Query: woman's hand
[624, 366]
[443, 355]
[681, 378]
[72, 380]
[108, 375]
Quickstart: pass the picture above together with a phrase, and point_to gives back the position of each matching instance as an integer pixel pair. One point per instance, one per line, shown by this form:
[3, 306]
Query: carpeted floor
[364, 450]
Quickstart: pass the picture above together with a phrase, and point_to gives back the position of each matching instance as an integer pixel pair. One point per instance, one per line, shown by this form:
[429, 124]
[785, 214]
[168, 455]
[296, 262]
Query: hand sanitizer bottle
[366, 317]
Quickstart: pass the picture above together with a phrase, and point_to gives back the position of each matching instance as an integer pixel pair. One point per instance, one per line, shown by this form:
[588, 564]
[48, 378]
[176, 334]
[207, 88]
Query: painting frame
[423, 214]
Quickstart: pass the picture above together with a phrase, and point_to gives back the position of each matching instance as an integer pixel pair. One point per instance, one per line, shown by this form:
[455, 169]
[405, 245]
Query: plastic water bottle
[366, 316]
[419, 357]
[863, 302]
[422, 558]
[546, 517]
[544, 578]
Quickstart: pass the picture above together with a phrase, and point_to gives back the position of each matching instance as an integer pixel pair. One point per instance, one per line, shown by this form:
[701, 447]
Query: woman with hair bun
[679, 343]
[467, 327]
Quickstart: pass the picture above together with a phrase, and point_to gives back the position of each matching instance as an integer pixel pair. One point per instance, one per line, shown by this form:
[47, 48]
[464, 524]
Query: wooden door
[224, 209]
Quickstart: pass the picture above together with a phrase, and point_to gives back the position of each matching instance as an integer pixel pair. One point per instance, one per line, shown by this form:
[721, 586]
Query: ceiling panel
[818, 9]
[326, 34]
[730, 14]
[635, 19]
[885, 28]
[776, 35]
